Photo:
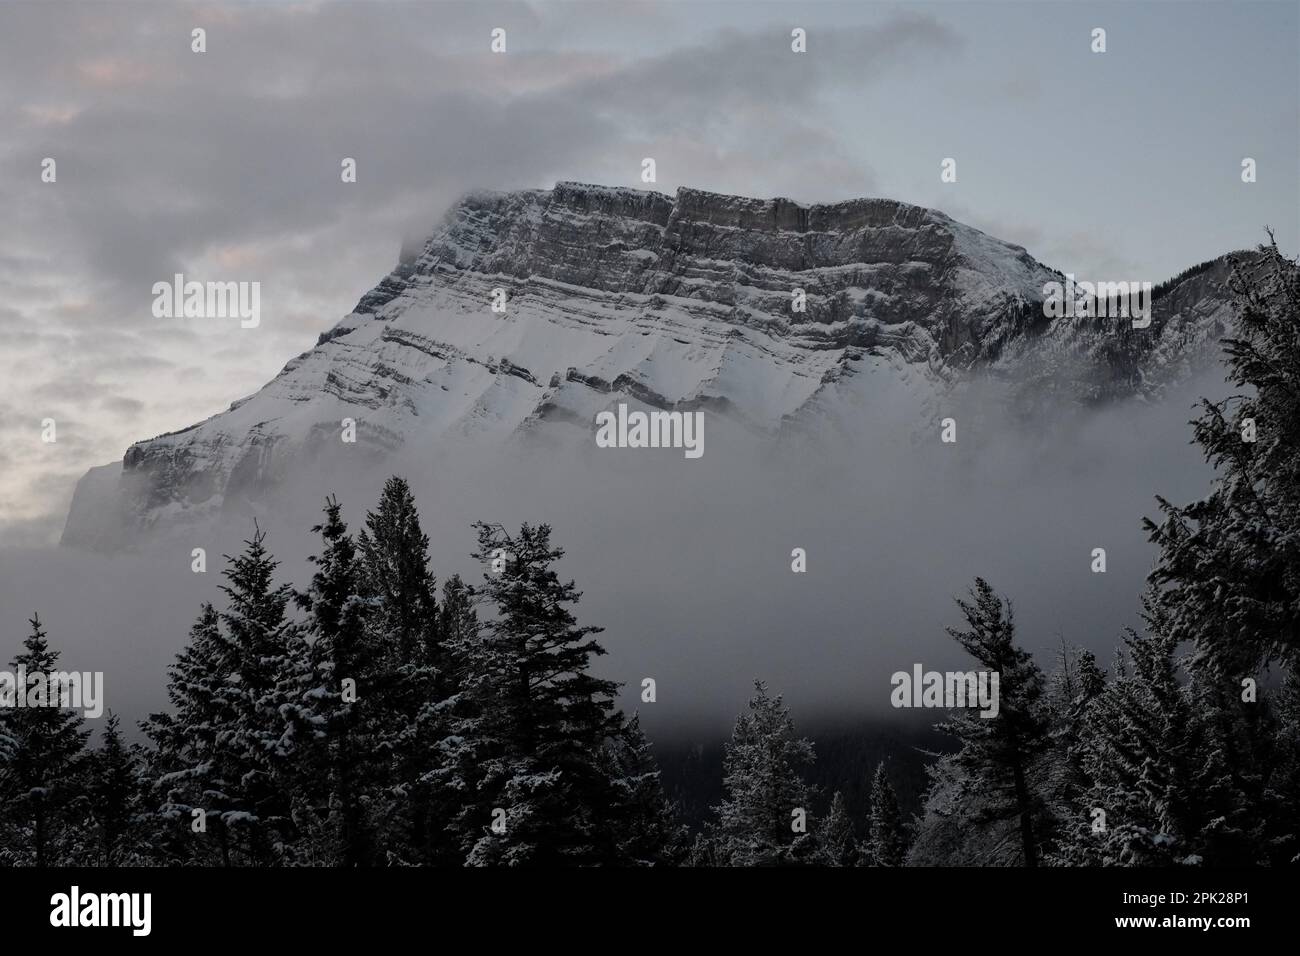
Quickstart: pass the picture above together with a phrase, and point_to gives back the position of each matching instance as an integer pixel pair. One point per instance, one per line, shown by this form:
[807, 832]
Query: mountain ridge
[683, 301]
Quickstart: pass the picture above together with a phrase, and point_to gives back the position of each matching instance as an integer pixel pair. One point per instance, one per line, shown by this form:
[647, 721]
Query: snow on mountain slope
[615, 294]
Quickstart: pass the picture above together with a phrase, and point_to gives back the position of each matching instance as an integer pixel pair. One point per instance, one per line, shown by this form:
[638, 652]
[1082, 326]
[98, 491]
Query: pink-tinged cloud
[113, 72]
[51, 115]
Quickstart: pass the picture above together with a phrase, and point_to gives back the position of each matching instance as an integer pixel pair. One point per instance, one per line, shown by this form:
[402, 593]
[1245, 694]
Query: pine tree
[191, 766]
[764, 789]
[242, 712]
[442, 764]
[1075, 684]
[1076, 680]
[349, 675]
[1233, 761]
[525, 754]
[112, 796]
[1229, 566]
[996, 765]
[1282, 786]
[417, 679]
[457, 619]
[395, 552]
[275, 714]
[1137, 755]
[704, 852]
[952, 829]
[44, 753]
[643, 820]
[1163, 789]
[886, 835]
[837, 844]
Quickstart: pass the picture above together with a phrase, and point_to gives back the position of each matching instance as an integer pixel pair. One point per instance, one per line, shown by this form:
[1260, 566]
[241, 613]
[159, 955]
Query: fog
[687, 563]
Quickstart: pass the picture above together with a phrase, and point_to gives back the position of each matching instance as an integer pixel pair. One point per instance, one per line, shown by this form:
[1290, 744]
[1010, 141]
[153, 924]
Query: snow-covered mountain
[673, 302]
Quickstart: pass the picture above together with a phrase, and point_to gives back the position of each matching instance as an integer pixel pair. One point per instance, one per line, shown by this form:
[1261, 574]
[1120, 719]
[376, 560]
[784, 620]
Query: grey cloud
[741, 68]
[119, 405]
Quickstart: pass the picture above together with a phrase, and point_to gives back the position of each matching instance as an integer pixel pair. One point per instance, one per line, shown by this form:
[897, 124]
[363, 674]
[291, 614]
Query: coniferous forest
[376, 717]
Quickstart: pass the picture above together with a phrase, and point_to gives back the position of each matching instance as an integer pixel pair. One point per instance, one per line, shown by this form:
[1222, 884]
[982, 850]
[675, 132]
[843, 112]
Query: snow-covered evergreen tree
[993, 782]
[1074, 685]
[350, 675]
[765, 793]
[704, 852]
[395, 563]
[886, 843]
[944, 832]
[191, 766]
[457, 619]
[526, 752]
[1229, 566]
[1136, 753]
[276, 716]
[1232, 770]
[112, 798]
[1282, 784]
[1162, 789]
[448, 779]
[40, 773]
[417, 680]
[837, 844]
[242, 711]
[643, 820]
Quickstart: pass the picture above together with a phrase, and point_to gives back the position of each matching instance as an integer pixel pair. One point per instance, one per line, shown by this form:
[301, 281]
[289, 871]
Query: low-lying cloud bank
[687, 563]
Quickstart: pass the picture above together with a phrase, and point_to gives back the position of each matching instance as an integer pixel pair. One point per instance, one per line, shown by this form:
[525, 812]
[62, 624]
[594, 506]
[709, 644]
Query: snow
[670, 301]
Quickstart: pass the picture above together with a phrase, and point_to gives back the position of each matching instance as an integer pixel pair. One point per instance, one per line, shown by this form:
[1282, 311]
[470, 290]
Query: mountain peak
[529, 312]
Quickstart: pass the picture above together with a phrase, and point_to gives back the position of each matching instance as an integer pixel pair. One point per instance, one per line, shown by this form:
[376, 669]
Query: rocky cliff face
[674, 302]
[1091, 360]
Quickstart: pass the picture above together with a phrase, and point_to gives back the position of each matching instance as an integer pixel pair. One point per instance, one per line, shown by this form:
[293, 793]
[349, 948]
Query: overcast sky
[225, 165]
